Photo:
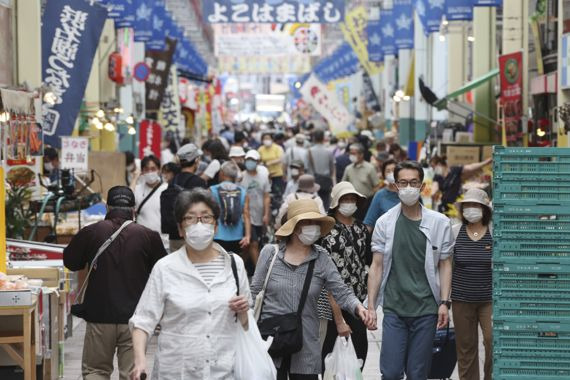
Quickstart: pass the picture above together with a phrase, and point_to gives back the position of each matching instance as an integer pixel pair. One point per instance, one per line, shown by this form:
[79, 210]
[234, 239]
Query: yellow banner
[354, 30]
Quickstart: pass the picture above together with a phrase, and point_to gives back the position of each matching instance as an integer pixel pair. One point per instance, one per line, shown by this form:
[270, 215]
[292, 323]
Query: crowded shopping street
[285, 189]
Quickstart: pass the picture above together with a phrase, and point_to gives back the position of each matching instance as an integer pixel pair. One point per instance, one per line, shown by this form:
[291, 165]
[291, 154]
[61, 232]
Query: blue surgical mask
[250, 165]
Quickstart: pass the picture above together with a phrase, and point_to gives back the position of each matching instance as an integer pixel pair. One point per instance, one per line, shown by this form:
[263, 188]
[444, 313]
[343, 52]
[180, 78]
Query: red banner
[150, 136]
[511, 70]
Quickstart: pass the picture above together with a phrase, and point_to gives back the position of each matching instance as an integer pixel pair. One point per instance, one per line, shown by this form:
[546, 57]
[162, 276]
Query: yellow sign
[2, 222]
[354, 30]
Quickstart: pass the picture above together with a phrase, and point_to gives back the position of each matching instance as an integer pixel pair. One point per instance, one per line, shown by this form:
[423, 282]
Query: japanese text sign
[273, 11]
[404, 20]
[430, 13]
[354, 31]
[159, 62]
[150, 135]
[511, 93]
[374, 34]
[70, 35]
[457, 10]
[388, 32]
[74, 153]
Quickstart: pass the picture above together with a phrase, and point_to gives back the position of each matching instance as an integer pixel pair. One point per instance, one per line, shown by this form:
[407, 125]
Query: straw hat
[305, 209]
[341, 189]
[476, 196]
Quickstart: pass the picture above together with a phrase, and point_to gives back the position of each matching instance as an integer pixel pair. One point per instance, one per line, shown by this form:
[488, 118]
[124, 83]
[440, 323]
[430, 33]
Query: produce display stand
[21, 345]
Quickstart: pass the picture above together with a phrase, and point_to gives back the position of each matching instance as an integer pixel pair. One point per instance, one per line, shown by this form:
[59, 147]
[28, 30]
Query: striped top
[472, 279]
[208, 271]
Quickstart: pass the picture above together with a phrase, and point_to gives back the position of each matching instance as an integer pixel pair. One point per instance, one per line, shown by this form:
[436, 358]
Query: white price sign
[74, 153]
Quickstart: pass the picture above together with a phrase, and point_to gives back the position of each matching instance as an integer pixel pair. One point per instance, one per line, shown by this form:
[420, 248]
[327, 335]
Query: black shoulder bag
[287, 330]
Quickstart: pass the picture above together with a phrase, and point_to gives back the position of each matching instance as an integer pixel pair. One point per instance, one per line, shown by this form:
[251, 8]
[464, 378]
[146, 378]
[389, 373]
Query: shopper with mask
[348, 246]
[272, 157]
[296, 169]
[192, 295]
[306, 189]
[410, 278]
[385, 198]
[472, 284]
[287, 266]
[362, 174]
[297, 152]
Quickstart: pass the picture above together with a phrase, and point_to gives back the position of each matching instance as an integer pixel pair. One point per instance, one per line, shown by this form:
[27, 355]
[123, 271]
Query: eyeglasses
[193, 219]
[413, 183]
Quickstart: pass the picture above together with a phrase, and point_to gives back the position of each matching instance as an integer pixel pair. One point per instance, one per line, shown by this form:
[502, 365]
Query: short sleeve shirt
[274, 152]
[363, 176]
[383, 201]
[450, 186]
[256, 186]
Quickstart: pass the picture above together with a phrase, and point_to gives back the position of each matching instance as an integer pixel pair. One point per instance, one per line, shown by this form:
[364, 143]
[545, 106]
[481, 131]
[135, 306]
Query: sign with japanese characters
[430, 13]
[74, 153]
[511, 73]
[488, 3]
[327, 104]
[341, 63]
[374, 46]
[70, 35]
[266, 40]
[404, 21]
[459, 10]
[273, 11]
[388, 31]
[143, 20]
[159, 62]
[169, 116]
[264, 65]
[150, 135]
[354, 31]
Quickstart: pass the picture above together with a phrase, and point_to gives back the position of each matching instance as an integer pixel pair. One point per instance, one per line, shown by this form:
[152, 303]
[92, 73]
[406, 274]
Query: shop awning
[442, 103]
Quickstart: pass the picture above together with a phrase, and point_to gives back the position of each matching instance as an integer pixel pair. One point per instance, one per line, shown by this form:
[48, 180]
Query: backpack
[230, 205]
[168, 223]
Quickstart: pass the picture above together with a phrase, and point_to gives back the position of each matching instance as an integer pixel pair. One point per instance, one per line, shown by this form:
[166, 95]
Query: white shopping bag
[342, 363]
[252, 359]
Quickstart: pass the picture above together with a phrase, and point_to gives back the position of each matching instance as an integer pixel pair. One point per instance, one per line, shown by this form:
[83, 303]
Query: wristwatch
[446, 303]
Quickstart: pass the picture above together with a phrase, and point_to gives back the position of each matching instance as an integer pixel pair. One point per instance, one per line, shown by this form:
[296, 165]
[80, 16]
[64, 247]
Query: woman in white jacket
[192, 295]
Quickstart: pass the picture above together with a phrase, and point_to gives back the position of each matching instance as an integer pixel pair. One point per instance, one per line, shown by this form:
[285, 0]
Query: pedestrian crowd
[311, 232]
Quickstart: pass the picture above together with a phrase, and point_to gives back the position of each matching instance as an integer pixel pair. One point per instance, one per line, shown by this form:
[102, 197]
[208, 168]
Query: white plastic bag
[252, 359]
[342, 363]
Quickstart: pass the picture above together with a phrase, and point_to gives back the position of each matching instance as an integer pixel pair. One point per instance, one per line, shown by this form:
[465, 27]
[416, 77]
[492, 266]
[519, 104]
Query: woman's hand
[239, 304]
[138, 370]
[343, 329]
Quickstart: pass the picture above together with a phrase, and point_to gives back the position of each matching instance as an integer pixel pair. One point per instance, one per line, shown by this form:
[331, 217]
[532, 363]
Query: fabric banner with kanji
[159, 62]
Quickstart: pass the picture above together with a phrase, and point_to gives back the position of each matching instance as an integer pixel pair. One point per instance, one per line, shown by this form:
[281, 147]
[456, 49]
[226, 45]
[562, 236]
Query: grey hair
[188, 198]
[357, 146]
[230, 170]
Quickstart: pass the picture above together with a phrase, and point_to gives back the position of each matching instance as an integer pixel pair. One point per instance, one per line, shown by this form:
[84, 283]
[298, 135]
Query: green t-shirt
[407, 292]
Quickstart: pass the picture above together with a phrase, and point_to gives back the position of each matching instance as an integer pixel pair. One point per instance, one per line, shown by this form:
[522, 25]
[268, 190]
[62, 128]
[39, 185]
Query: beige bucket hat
[305, 209]
[476, 196]
[341, 189]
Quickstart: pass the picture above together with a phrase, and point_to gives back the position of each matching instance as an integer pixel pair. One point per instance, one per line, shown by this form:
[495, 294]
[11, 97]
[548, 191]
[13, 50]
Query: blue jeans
[407, 346]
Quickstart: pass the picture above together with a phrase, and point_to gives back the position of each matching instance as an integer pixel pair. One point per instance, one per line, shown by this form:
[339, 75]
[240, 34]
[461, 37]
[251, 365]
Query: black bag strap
[148, 197]
[306, 285]
[311, 162]
[234, 271]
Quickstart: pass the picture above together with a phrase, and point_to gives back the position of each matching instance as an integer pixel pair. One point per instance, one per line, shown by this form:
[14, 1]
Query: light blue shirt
[225, 232]
[383, 201]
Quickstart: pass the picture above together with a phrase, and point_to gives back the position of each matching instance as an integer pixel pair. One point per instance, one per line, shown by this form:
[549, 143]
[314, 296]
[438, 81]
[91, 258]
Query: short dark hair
[171, 167]
[319, 135]
[50, 153]
[438, 160]
[409, 165]
[216, 148]
[266, 134]
[394, 148]
[148, 159]
[239, 136]
[487, 215]
[129, 158]
[385, 165]
[188, 198]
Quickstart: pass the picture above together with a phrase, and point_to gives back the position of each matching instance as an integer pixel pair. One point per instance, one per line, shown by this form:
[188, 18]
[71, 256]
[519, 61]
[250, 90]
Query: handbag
[287, 330]
[79, 308]
[259, 298]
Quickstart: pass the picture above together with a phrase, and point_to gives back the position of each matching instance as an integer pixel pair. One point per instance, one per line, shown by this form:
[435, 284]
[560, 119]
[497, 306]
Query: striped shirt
[208, 271]
[472, 271]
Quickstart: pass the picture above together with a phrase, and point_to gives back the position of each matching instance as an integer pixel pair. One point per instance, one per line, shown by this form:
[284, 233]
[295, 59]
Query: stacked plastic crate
[531, 263]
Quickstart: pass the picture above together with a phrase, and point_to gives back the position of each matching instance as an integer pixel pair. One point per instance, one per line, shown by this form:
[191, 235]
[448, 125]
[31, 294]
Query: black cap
[120, 196]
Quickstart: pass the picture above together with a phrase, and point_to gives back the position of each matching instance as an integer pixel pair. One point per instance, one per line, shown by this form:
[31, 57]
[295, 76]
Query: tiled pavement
[74, 346]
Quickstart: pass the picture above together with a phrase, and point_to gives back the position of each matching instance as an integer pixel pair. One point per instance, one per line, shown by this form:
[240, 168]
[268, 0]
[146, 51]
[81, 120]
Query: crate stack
[531, 263]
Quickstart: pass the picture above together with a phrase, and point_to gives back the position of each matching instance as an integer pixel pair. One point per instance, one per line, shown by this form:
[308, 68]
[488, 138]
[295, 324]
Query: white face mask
[353, 158]
[341, 145]
[151, 178]
[199, 236]
[310, 234]
[409, 195]
[347, 209]
[438, 170]
[267, 143]
[390, 179]
[295, 172]
[473, 214]
[48, 166]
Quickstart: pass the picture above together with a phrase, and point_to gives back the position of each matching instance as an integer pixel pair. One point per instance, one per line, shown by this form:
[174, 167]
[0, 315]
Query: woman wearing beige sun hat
[285, 267]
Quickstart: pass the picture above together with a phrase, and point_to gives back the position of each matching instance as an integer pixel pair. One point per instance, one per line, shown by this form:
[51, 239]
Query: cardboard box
[50, 276]
[16, 297]
[462, 155]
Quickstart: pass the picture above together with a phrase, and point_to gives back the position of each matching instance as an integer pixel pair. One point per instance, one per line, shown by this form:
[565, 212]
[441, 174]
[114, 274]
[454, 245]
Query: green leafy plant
[18, 214]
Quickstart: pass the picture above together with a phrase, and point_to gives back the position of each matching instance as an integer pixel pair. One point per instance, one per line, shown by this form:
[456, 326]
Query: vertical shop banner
[430, 13]
[143, 20]
[273, 11]
[388, 32]
[341, 63]
[75, 153]
[354, 31]
[565, 73]
[374, 34]
[159, 62]
[510, 66]
[70, 36]
[370, 97]
[404, 21]
[150, 135]
[169, 116]
[326, 103]
[488, 3]
[459, 10]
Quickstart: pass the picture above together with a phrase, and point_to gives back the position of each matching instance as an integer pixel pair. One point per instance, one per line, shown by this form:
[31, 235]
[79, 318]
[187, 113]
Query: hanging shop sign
[511, 72]
[354, 31]
[341, 63]
[374, 45]
[459, 10]
[388, 30]
[326, 103]
[143, 20]
[565, 72]
[150, 134]
[70, 35]
[21, 137]
[370, 97]
[141, 72]
[488, 3]
[430, 13]
[404, 21]
[169, 116]
[159, 62]
[264, 65]
[264, 39]
[75, 153]
[116, 68]
[271, 11]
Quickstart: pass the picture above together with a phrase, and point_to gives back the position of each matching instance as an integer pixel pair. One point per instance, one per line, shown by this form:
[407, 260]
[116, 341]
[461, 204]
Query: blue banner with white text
[374, 45]
[341, 63]
[388, 31]
[459, 10]
[430, 13]
[273, 11]
[488, 3]
[70, 35]
[403, 16]
[143, 20]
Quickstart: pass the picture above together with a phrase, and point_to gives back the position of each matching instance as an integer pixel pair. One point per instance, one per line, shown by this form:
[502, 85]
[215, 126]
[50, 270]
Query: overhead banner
[459, 10]
[266, 40]
[488, 3]
[326, 103]
[70, 35]
[388, 32]
[143, 20]
[430, 13]
[403, 15]
[273, 11]
[150, 136]
[159, 62]
[511, 71]
[170, 116]
[341, 63]
[375, 53]
[372, 102]
[354, 31]
[264, 65]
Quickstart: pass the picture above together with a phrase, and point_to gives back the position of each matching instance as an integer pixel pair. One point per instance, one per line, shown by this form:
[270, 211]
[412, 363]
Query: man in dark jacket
[115, 284]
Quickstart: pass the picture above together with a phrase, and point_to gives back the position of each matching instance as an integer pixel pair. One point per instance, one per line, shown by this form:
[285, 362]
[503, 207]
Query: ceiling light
[132, 131]
[471, 38]
[118, 110]
[540, 132]
[444, 21]
[130, 119]
[397, 99]
[109, 127]
[297, 85]
[50, 98]
[4, 116]
[442, 38]
[400, 94]
[100, 114]
[406, 98]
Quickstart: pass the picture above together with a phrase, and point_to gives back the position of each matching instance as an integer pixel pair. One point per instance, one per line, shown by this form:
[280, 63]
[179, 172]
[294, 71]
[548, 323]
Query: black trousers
[282, 375]
[359, 337]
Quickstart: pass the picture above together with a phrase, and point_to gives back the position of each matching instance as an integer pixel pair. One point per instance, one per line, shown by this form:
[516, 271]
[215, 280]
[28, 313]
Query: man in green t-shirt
[410, 277]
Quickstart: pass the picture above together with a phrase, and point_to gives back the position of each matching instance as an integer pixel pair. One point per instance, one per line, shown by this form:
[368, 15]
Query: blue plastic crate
[545, 163]
[532, 218]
